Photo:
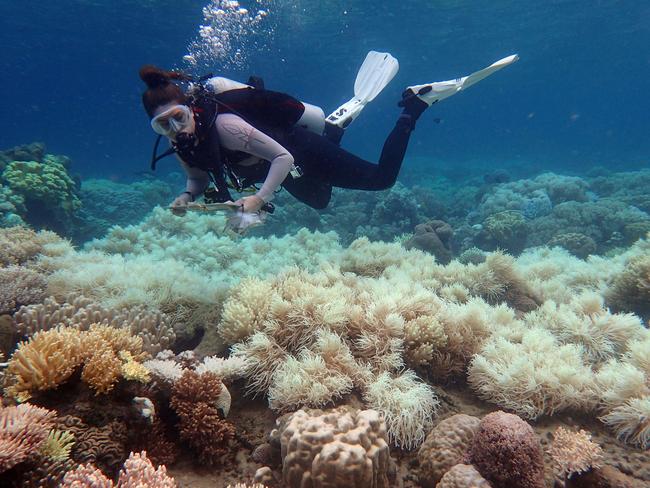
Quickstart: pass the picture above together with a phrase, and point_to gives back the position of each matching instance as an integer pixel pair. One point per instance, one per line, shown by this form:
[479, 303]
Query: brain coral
[445, 447]
[335, 448]
[463, 476]
[507, 452]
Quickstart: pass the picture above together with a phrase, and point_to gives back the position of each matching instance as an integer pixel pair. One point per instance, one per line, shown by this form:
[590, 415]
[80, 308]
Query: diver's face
[172, 119]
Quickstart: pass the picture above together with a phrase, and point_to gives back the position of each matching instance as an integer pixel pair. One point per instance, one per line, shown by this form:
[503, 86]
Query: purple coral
[507, 452]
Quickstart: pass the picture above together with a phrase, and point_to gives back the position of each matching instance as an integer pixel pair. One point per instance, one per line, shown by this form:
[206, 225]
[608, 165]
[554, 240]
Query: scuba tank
[312, 119]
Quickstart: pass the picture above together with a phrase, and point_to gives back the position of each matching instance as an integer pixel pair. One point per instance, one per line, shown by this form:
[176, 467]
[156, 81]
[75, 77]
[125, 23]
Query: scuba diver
[237, 135]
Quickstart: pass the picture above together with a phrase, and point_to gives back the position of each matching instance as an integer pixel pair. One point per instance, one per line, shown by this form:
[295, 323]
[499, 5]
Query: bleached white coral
[407, 405]
[618, 381]
[306, 381]
[532, 376]
[631, 421]
[228, 369]
[164, 369]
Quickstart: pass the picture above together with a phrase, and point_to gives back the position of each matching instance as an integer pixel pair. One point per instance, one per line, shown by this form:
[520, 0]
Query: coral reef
[445, 447]
[463, 476]
[433, 237]
[79, 312]
[49, 194]
[507, 452]
[574, 452]
[335, 448]
[138, 472]
[196, 400]
[50, 357]
[23, 430]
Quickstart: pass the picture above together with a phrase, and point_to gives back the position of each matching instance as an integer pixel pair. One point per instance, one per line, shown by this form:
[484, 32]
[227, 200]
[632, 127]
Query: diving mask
[175, 119]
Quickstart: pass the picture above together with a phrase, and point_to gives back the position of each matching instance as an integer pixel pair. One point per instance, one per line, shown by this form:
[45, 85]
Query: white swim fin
[375, 73]
[433, 92]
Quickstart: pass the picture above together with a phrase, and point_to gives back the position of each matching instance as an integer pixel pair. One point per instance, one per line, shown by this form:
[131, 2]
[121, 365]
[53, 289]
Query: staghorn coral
[195, 398]
[138, 472]
[23, 430]
[631, 421]
[334, 448]
[463, 476]
[407, 405]
[507, 452]
[574, 452]
[445, 447]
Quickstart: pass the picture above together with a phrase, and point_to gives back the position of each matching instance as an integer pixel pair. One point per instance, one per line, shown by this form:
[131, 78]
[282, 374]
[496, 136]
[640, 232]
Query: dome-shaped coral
[445, 447]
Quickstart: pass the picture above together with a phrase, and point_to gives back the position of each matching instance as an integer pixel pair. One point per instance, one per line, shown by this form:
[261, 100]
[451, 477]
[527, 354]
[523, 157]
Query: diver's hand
[251, 204]
[178, 206]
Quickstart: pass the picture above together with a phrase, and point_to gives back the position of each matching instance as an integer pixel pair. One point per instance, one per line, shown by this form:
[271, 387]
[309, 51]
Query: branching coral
[574, 452]
[138, 472]
[195, 399]
[23, 430]
[49, 358]
[44, 362]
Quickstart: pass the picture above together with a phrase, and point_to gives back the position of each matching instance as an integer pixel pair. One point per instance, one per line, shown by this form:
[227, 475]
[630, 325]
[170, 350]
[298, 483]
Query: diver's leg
[323, 160]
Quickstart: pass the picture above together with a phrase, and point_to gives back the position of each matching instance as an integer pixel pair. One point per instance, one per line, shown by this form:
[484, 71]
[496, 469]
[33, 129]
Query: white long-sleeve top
[238, 135]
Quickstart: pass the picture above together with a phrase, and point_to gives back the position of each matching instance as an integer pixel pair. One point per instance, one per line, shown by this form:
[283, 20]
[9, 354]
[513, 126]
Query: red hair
[160, 89]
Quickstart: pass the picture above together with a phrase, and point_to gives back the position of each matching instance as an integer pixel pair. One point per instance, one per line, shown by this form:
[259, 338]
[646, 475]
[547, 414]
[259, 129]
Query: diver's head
[166, 104]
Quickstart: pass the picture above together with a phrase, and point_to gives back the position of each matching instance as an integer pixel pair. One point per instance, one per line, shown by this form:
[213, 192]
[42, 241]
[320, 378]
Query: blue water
[577, 98]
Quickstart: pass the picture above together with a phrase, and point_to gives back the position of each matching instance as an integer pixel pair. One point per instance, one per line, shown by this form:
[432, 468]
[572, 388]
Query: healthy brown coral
[195, 398]
[507, 452]
[445, 447]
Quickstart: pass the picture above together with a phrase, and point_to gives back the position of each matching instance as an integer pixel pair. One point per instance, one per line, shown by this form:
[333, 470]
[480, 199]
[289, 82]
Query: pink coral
[507, 452]
[138, 472]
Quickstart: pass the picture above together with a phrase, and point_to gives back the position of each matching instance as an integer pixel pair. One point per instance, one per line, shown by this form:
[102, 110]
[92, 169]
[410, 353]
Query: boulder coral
[334, 448]
[507, 452]
[444, 447]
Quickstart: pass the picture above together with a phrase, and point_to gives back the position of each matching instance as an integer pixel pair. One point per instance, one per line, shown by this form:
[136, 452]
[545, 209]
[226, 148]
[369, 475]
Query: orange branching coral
[22, 430]
[138, 472]
[194, 398]
[44, 362]
[49, 358]
[574, 452]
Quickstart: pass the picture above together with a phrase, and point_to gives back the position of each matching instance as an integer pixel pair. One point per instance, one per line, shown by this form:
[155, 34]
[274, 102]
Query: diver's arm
[197, 180]
[238, 135]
